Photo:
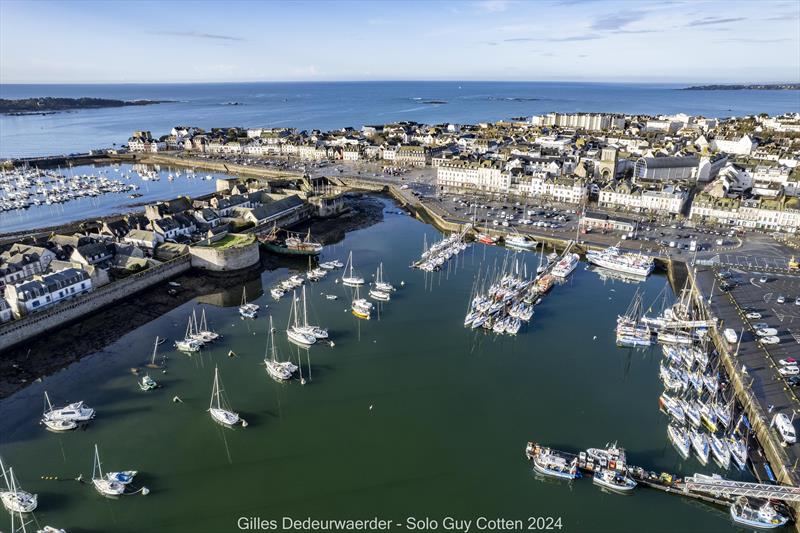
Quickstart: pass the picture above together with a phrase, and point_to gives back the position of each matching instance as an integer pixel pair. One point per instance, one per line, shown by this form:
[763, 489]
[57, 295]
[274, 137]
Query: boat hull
[283, 250]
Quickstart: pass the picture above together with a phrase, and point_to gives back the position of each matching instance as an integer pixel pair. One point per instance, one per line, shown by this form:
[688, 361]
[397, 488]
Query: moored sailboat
[107, 487]
[218, 408]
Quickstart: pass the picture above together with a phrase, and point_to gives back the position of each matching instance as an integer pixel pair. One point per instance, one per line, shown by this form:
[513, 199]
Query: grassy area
[233, 240]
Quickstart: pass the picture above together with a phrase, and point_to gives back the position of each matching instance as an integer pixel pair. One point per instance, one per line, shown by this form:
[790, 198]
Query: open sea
[409, 414]
[336, 105]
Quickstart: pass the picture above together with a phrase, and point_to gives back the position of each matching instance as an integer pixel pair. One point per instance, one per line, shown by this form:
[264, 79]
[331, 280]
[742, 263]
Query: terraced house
[47, 290]
[780, 214]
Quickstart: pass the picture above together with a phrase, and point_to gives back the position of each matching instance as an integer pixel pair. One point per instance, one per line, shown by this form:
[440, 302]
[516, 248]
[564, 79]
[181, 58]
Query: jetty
[713, 490]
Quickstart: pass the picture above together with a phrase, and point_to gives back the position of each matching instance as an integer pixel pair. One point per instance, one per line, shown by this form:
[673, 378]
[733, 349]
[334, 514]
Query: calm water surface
[337, 105]
[409, 414]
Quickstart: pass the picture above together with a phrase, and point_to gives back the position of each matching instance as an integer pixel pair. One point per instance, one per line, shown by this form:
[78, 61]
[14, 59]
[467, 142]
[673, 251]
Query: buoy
[302, 381]
[332, 344]
[594, 338]
[370, 407]
[145, 491]
[177, 399]
[231, 353]
[244, 423]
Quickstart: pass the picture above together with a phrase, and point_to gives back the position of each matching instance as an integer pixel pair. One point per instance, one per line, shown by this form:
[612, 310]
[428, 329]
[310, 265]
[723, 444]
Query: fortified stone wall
[224, 259]
[23, 329]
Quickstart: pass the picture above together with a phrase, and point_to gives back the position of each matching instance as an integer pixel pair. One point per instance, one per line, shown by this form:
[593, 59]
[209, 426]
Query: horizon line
[197, 82]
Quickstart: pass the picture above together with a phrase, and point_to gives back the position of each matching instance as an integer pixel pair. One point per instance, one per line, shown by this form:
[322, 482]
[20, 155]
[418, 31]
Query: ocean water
[409, 415]
[336, 105]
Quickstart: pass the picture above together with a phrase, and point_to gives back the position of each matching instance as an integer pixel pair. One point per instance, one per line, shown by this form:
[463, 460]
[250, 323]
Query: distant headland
[28, 106]
[748, 87]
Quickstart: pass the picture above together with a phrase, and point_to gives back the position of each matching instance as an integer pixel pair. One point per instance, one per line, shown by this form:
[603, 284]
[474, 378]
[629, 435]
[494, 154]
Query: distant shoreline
[50, 105]
[746, 87]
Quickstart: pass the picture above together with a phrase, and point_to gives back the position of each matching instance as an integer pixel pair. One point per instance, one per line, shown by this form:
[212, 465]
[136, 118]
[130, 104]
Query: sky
[146, 41]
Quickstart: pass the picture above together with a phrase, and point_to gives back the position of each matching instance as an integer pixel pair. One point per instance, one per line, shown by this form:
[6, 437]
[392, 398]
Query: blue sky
[215, 41]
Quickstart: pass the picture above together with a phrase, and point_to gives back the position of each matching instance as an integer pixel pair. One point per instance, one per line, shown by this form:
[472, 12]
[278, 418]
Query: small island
[748, 87]
[29, 106]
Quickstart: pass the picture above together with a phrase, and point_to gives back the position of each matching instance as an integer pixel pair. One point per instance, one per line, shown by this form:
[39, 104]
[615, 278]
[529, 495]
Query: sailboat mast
[271, 339]
[305, 310]
[155, 348]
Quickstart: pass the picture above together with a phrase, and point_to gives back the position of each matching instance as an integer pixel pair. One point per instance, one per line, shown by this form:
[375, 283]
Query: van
[672, 244]
[693, 246]
[730, 336]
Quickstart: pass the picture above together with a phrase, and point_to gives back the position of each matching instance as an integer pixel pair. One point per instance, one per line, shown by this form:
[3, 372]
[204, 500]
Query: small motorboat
[147, 383]
[613, 480]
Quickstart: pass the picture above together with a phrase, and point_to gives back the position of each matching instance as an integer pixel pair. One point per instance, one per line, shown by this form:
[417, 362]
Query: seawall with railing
[34, 324]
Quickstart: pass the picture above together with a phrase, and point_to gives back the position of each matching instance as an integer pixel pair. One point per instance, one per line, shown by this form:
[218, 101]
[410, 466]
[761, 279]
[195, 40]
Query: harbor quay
[752, 366]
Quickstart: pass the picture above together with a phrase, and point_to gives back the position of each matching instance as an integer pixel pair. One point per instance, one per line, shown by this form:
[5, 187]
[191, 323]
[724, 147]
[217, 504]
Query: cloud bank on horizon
[515, 40]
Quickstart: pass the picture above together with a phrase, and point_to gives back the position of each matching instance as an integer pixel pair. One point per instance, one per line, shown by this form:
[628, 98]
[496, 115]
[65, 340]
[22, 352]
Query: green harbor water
[408, 415]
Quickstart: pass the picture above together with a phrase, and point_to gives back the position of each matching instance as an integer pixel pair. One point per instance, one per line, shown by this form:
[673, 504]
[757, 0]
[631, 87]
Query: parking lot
[756, 293]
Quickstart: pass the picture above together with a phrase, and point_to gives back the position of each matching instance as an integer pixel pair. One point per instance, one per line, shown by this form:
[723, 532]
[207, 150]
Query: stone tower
[607, 167]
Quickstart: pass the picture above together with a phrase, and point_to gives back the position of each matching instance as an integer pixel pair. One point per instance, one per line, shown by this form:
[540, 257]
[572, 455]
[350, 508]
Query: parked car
[769, 340]
[781, 299]
[763, 279]
[789, 361]
[753, 315]
[789, 371]
[793, 381]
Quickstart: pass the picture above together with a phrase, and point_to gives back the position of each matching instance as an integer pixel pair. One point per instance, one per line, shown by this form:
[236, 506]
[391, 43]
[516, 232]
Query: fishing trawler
[763, 517]
[550, 463]
[293, 244]
[615, 259]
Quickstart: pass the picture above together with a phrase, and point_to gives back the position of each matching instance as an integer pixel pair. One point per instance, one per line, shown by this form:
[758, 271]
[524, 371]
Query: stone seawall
[27, 327]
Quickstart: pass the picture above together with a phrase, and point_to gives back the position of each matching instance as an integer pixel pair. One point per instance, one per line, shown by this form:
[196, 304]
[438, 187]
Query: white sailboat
[380, 283]
[351, 280]
[361, 307]
[295, 332]
[315, 331]
[14, 499]
[278, 370]
[188, 344]
[206, 334]
[103, 485]
[218, 408]
[247, 310]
